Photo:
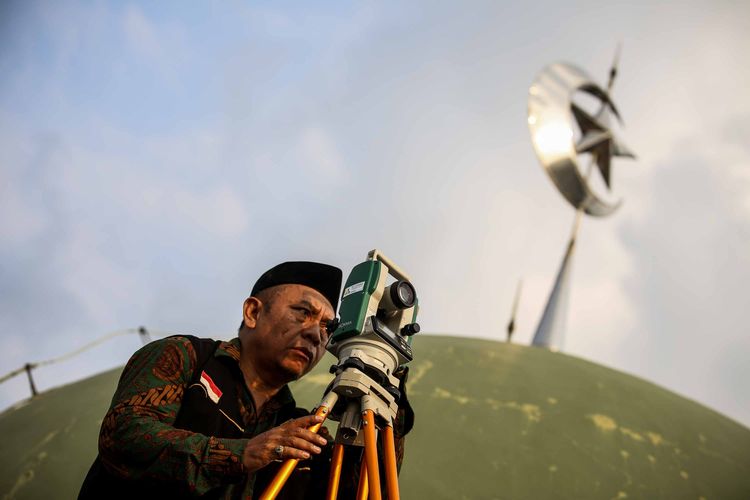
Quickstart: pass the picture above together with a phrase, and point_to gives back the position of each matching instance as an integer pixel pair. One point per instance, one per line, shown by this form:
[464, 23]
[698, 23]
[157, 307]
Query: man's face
[290, 333]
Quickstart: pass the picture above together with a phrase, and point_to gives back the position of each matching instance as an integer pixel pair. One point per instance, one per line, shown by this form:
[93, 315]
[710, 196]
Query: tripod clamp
[358, 392]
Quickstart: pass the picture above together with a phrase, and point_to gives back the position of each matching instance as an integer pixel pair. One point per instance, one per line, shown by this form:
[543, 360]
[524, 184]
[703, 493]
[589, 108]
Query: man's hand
[323, 431]
[293, 436]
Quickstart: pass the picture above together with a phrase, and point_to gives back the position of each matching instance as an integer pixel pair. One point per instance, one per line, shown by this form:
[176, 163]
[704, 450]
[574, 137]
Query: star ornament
[597, 137]
[564, 132]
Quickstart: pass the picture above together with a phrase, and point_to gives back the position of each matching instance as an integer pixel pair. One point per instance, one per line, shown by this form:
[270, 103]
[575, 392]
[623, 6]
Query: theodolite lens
[402, 294]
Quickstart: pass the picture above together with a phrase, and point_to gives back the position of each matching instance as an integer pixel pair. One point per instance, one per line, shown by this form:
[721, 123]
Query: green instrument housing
[355, 299]
[384, 315]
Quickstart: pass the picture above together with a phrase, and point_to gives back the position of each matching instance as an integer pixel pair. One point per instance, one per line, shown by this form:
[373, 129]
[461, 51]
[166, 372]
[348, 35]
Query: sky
[156, 158]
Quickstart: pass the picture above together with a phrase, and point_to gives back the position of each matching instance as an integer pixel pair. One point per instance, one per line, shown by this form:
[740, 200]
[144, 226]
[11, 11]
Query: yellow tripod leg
[335, 477]
[362, 489]
[371, 454]
[391, 471]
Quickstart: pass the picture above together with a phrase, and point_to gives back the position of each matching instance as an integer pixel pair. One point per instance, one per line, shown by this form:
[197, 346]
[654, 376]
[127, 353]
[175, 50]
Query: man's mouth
[303, 352]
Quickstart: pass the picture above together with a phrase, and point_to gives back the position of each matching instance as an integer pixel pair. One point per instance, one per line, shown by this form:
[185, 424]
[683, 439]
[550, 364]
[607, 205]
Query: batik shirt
[138, 440]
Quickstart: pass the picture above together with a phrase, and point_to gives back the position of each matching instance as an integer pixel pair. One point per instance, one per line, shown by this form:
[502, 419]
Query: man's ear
[251, 311]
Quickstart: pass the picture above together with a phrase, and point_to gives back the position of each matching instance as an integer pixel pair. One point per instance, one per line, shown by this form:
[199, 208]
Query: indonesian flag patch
[212, 390]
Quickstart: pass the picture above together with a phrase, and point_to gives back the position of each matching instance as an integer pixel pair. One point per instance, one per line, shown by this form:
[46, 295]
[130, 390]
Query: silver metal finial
[562, 131]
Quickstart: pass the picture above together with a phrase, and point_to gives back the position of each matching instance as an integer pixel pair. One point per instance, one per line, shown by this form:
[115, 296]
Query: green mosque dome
[494, 420]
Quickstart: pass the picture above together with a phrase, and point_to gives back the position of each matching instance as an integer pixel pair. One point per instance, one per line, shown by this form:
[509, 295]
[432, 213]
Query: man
[197, 417]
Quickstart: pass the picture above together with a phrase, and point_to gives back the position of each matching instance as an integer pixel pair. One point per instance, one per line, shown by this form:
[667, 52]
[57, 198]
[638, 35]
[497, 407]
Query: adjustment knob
[410, 329]
[393, 391]
[355, 363]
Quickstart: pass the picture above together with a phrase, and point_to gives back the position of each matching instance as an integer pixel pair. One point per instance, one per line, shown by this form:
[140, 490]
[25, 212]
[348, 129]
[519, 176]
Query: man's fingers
[307, 421]
[294, 448]
[298, 442]
[290, 452]
[302, 445]
[310, 436]
[325, 432]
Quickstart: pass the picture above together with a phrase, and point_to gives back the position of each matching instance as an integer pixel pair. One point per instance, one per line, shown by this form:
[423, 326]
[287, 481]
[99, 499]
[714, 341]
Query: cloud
[162, 46]
[93, 279]
[81, 228]
[319, 154]
[218, 211]
[691, 251]
[33, 225]
[140, 33]
[22, 218]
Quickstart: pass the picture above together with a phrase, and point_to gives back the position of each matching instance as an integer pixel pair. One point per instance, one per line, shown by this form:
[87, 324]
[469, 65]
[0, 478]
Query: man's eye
[324, 330]
[302, 311]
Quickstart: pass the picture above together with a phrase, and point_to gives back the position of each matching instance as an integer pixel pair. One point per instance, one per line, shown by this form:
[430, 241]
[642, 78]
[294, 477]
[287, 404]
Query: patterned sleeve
[137, 439]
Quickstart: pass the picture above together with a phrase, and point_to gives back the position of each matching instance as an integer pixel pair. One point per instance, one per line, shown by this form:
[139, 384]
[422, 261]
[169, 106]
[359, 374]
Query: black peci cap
[321, 277]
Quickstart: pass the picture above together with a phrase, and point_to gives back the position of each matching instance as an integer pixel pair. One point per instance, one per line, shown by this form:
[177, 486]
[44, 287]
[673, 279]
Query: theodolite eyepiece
[333, 325]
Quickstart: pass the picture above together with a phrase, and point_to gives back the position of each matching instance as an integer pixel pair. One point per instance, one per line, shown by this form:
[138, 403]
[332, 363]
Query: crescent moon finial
[562, 131]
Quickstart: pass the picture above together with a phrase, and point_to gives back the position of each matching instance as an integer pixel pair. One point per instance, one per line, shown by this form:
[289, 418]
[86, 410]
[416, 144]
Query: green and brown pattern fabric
[145, 407]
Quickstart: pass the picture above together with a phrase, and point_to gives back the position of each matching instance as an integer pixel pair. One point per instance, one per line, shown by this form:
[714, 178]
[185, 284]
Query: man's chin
[299, 370]
[296, 368]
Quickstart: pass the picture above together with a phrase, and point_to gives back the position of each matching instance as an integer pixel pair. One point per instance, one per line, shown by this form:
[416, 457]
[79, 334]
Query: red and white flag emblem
[212, 390]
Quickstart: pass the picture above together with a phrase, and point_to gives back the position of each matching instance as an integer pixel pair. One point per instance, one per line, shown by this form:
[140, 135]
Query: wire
[86, 347]
[64, 357]
[12, 374]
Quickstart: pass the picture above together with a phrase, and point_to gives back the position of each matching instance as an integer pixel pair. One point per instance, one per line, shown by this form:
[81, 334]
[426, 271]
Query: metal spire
[598, 140]
[550, 332]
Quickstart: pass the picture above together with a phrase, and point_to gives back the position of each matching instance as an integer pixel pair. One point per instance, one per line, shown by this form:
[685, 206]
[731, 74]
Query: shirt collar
[231, 348]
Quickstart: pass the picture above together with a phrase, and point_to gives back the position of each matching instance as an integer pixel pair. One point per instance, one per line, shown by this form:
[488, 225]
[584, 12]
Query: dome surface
[493, 420]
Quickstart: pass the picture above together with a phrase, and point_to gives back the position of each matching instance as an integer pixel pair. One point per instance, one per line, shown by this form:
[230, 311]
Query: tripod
[366, 401]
